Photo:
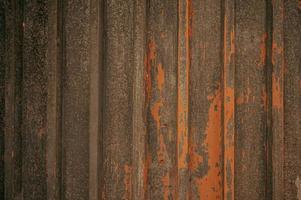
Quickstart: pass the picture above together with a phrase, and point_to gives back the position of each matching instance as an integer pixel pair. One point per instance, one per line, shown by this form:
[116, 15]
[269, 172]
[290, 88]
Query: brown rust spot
[166, 184]
[263, 50]
[245, 97]
[277, 96]
[210, 185]
[161, 154]
[127, 182]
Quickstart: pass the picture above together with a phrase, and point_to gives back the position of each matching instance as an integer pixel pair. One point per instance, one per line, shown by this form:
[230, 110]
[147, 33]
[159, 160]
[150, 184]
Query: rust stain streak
[160, 77]
[166, 184]
[210, 186]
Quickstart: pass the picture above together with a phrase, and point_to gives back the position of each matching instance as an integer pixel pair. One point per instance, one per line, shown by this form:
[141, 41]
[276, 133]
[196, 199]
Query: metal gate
[150, 99]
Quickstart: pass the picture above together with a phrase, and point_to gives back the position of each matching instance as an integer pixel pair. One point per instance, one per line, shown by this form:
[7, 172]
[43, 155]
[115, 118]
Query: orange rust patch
[155, 110]
[277, 96]
[229, 104]
[276, 51]
[210, 186]
[195, 159]
[160, 77]
[263, 50]
[127, 182]
[245, 98]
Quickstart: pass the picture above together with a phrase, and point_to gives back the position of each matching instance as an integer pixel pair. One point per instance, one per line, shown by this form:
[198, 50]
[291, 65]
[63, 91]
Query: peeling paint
[277, 96]
[210, 186]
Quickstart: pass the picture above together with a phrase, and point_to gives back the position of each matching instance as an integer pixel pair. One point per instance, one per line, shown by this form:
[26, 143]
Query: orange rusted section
[264, 98]
[263, 50]
[127, 182]
[160, 77]
[210, 186]
[277, 95]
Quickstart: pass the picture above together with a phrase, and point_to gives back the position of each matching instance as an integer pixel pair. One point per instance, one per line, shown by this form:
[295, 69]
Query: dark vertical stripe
[13, 111]
[268, 74]
[2, 95]
[251, 100]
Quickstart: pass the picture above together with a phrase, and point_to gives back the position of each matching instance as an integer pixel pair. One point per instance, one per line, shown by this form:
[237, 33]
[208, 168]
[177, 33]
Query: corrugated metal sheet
[150, 99]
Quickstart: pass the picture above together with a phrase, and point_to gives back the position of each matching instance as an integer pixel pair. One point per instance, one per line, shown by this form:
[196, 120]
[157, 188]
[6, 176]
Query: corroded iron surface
[150, 99]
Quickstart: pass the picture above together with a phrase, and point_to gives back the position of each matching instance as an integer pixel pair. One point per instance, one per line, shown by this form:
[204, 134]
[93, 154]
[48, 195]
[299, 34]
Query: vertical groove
[228, 99]
[182, 99]
[269, 68]
[139, 128]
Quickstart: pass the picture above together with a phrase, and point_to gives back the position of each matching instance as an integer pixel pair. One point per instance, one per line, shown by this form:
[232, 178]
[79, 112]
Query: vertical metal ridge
[95, 67]
[277, 60]
[184, 15]
[250, 99]
[292, 99]
[13, 99]
[75, 98]
[118, 100]
[161, 99]
[229, 99]
[54, 64]
[139, 126]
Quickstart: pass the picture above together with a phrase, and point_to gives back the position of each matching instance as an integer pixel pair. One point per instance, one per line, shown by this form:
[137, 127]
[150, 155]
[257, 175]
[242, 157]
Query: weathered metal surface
[150, 99]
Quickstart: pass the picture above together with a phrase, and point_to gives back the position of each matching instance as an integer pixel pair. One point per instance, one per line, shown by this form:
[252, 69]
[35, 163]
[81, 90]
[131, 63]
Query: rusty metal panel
[150, 99]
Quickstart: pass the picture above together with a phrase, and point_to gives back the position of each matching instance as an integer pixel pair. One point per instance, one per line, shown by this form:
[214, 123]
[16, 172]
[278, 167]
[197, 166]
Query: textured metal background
[150, 99]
